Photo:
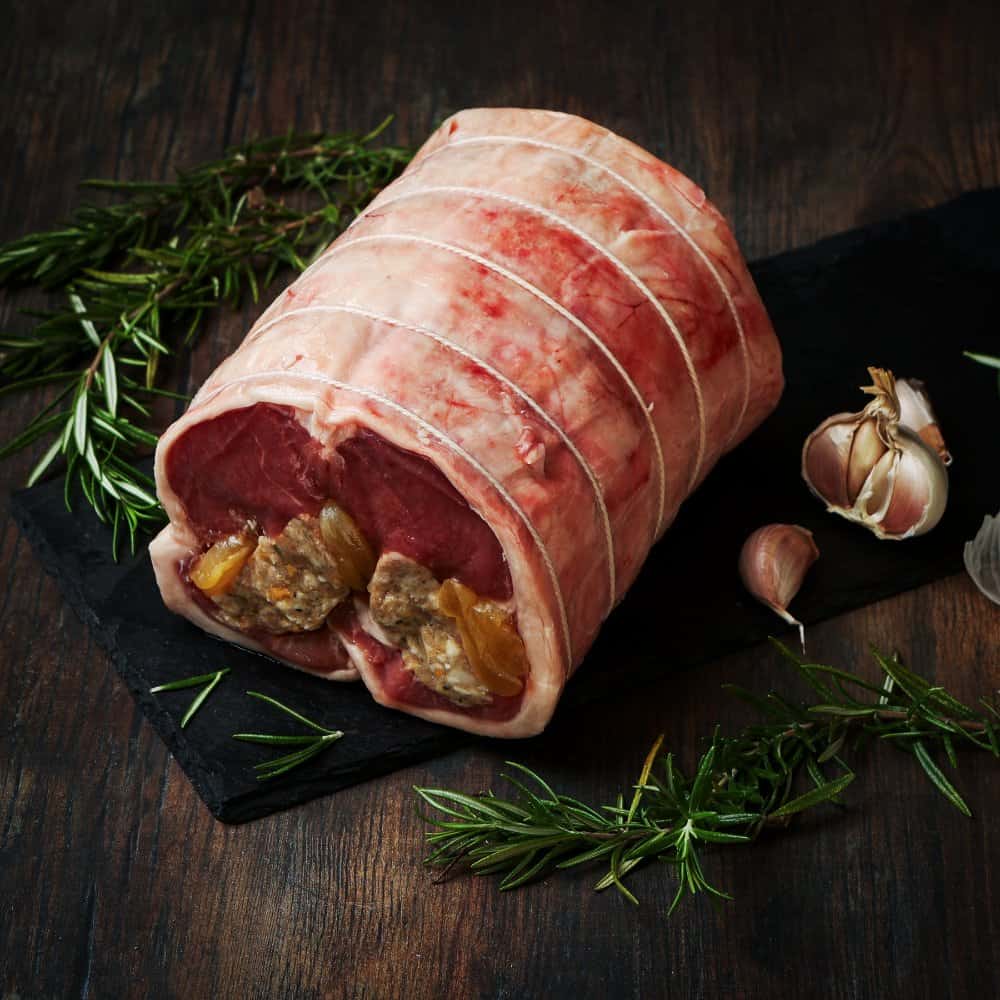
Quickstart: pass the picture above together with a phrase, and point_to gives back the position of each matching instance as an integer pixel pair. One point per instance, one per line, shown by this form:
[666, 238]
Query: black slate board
[909, 295]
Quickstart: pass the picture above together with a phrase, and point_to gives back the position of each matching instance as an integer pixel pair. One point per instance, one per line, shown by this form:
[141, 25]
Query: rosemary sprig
[137, 279]
[210, 680]
[742, 785]
[311, 745]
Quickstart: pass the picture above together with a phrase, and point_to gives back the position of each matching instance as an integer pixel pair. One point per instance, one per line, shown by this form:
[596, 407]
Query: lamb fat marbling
[507, 374]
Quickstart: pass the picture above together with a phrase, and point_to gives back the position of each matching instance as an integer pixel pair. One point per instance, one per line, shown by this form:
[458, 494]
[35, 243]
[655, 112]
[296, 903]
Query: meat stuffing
[404, 604]
[288, 584]
[403, 596]
[512, 369]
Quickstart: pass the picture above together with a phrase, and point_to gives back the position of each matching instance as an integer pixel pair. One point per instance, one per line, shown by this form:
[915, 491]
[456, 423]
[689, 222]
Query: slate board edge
[843, 242]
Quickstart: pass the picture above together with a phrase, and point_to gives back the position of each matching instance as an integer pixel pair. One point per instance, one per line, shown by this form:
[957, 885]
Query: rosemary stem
[887, 715]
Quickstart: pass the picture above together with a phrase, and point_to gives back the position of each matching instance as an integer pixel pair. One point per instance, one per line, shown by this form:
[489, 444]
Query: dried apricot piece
[350, 549]
[492, 646]
[216, 569]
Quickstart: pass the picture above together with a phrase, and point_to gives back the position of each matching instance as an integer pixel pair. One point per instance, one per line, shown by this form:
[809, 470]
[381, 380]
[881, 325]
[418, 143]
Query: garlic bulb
[982, 558]
[773, 563]
[871, 468]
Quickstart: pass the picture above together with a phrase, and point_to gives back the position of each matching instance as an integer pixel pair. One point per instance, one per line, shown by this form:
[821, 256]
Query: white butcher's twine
[428, 428]
[616, 261]
[645, 407]
[500, 377]
[626, 183]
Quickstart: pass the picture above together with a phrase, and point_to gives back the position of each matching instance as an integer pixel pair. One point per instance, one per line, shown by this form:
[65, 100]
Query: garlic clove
[872, 469]
[917, 414]
[920, 491]
[826, 456]
[867, 449]
[876, 495]
[773, 563]
[982, 558]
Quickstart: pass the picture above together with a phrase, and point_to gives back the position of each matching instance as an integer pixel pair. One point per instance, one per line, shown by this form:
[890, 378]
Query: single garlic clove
[872, 469]
[867, 449]
[917, 414]
[773, 563]
[982, 558]
[826, 456]
[875, 496]
[920, 491]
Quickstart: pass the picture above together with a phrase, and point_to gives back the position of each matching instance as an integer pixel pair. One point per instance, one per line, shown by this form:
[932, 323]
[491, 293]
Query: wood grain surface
[116, 882]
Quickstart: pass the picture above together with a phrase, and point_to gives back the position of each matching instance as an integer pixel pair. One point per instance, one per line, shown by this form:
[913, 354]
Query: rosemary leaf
[983, 359]
[200, 700]
[937, 777]
[42, 465]
[211, 681]
[288, 711]
[186, 682]
[824, 793]
[269, 739]
[81, 311]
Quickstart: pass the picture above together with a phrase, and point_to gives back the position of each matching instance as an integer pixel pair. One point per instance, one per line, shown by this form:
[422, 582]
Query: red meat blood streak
[259, 463]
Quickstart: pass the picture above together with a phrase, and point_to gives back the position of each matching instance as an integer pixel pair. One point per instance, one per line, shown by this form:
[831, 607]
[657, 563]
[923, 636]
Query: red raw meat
[513, 368]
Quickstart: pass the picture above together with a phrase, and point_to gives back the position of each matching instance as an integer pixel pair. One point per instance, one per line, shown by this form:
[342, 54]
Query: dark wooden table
[115, 881]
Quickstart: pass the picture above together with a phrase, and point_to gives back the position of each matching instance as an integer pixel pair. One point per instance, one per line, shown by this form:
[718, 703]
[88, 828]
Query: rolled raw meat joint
[440, 457]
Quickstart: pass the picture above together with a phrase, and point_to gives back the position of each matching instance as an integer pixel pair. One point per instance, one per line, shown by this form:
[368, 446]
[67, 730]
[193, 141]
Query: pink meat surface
[513, 367]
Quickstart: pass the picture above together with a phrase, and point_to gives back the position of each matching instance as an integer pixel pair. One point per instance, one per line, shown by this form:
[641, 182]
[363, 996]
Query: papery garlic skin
[773, 563]
[982, 558]
[871, 469]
